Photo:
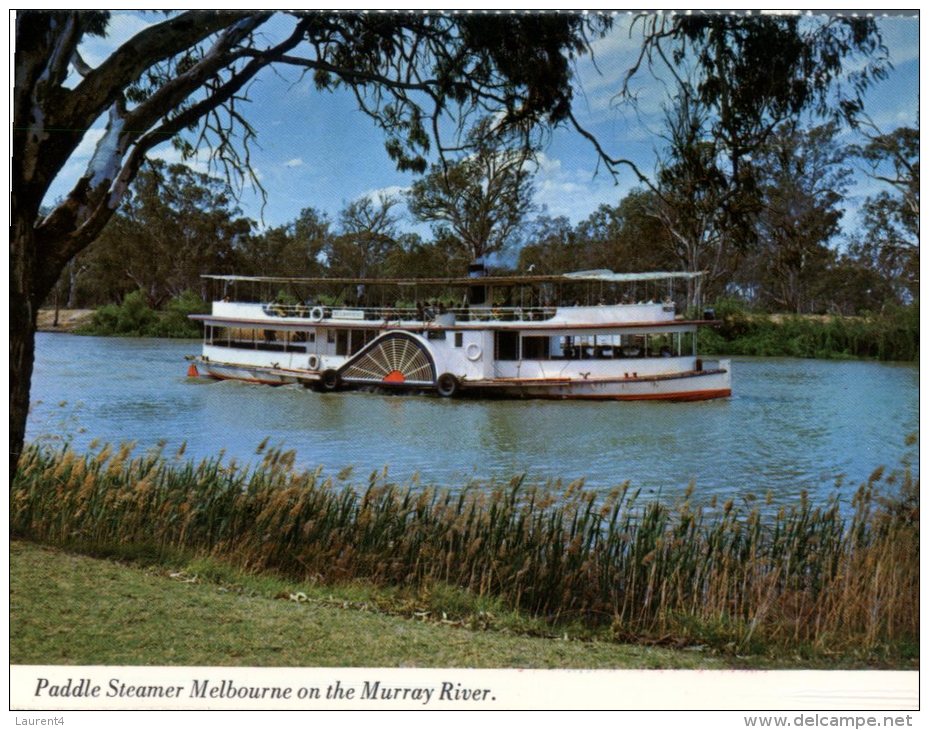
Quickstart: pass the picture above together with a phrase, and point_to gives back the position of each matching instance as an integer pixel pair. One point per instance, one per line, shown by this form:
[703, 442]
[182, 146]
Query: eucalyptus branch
[612, 163]
[125, 65]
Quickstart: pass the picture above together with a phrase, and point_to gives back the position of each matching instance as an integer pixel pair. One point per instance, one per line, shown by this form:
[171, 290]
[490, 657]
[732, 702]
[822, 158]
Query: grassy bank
[64, 320]
[891, 335]
[803, 583]
[72, 609]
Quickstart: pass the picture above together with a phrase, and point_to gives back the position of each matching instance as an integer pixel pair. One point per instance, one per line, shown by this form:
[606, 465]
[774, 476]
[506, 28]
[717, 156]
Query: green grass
[72, 609]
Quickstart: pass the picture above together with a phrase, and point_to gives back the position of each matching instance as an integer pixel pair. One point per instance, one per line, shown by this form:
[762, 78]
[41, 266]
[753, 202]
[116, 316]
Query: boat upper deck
[523, 302]
[599, 317]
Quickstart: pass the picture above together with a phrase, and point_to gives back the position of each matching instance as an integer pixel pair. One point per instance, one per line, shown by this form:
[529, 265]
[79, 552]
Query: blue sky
[317, 150]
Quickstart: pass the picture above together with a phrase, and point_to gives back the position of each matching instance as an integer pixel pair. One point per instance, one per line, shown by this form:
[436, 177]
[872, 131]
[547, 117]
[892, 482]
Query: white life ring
[313, 362]
[473, 352]
[317, 313]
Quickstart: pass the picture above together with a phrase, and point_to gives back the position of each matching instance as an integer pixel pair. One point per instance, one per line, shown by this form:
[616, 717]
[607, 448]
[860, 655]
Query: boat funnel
[477, 294]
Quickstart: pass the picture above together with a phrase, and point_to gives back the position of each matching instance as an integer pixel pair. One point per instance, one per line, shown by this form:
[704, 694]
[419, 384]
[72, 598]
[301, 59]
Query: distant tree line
[778, 248]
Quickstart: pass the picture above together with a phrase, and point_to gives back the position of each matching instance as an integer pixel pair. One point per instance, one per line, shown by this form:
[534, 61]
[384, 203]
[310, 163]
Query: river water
[791, 424]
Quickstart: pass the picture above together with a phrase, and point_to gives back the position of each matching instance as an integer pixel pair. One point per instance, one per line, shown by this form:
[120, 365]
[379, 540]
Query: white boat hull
[702, 385]
[714, 381]
[249, 374]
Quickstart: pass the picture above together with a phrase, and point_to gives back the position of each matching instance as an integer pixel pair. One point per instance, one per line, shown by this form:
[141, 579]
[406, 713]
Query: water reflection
[791, 425]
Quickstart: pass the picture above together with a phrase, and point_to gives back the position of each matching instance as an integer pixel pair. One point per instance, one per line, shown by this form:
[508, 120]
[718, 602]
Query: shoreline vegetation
[890, 335]
[208, 614]
[803, 585]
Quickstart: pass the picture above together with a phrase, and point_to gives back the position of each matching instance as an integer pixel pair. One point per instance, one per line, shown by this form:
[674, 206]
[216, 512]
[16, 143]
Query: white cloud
[548, 166]
[901, 36]
[390, 191]
[122, 27]
[886, 119]
[170, 155]
[295, 162]
[575, 193]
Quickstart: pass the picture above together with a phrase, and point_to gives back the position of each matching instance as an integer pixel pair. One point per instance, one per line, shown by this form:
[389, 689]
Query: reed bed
[804, 579]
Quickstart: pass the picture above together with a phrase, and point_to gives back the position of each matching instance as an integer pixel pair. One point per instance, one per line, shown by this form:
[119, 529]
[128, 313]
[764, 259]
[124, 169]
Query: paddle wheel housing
[393, 359]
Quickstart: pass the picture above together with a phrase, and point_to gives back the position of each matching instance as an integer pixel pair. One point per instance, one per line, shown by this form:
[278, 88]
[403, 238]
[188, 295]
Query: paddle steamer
[513, 336]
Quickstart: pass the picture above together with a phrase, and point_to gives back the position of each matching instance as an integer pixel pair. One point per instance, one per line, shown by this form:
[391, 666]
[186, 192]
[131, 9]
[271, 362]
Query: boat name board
[348, 314]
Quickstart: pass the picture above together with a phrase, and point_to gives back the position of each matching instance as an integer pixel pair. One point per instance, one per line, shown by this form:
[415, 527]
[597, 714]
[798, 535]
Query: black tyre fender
[447, 385]
[329, 381]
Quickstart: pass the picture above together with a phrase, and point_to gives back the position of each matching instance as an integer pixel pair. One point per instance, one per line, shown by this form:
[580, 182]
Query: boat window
[688, 343]
[536, 348]
[241, 337]
[258, 339]
[661, 345]
[341, 342]
[604, 346]
[586, 344]
[296, 341]
[459, 339]
[632, 346]
[358, 339]
[278, 341]
[435, 335]
[220, 336]
[507, 345]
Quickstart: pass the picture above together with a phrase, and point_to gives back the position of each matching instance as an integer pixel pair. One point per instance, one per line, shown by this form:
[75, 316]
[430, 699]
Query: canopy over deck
[601, 275]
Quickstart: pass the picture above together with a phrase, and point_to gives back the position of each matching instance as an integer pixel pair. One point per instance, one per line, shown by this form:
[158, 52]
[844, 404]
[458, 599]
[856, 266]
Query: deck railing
[428, 314]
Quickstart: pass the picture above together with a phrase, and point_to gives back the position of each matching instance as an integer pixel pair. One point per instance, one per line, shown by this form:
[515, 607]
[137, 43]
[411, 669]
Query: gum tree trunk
[22, 331]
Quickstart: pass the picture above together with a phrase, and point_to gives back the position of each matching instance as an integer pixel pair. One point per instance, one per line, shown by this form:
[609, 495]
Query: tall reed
[806, 576]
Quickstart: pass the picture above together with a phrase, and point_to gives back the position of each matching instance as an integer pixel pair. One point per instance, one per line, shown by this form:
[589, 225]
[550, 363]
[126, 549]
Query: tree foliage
[752, 73]
[477, 202]
[368, 231]
[625, 236]
[735, 79]
[803, 181]
[694, 198]
[169, 208]
[292, 249]
[889, 239]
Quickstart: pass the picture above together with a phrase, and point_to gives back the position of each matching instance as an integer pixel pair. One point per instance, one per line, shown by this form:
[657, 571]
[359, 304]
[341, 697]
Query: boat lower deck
[708, 383]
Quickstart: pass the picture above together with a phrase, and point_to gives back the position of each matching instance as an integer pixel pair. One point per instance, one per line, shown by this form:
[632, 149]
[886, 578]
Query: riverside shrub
[892, 334]
[134, 318]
